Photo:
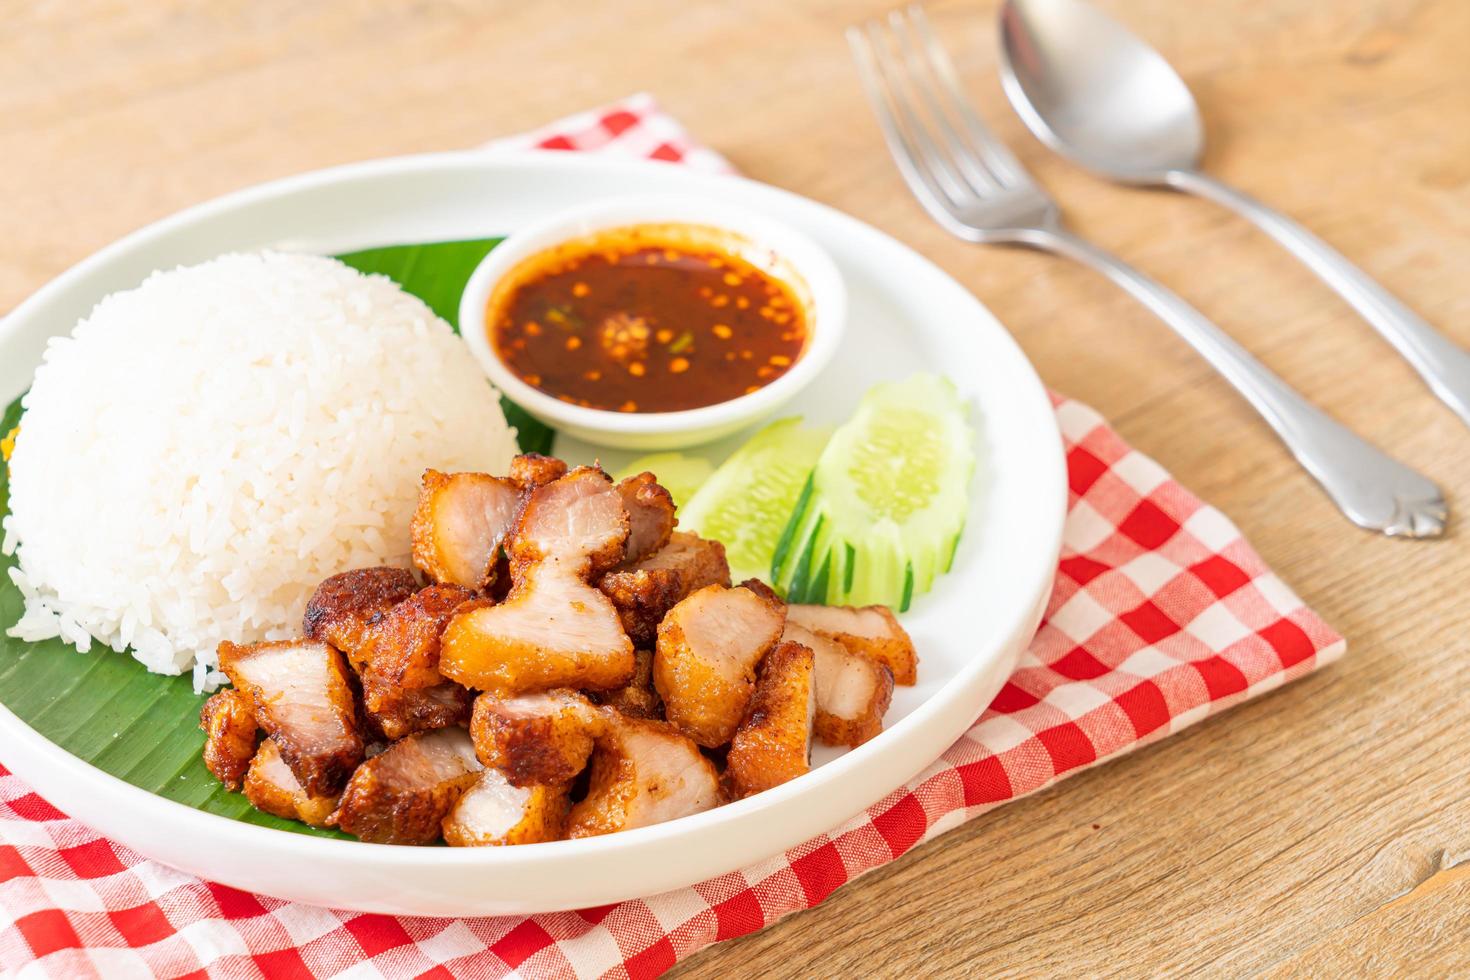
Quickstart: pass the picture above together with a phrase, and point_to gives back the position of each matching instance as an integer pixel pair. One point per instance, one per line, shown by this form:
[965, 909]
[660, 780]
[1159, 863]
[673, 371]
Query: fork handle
[1374, 490]
[1440, 362]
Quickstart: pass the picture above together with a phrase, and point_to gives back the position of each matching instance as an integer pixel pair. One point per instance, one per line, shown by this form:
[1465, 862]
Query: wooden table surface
[1315, 830]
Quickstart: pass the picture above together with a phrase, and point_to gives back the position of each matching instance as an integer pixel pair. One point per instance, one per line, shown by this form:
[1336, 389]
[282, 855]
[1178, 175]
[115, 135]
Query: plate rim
[21, 739]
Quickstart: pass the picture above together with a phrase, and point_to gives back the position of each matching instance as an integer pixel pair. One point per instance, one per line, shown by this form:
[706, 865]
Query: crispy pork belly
[637, 698]
[402, 646]
[872, 631]
[535, 739]
[494, 813]
[531, 470]
[643, 592]
[398, 711]
[228, 720]
[271, 786]
[642, 598]
[774, 742]
[343, 606]
[576, 519]
[459, 525]
[853, 691]
[643, 772]
[650, 516]
[698, 561]
[553, 630]
[704, 667]
[303, 699]
[402, 795]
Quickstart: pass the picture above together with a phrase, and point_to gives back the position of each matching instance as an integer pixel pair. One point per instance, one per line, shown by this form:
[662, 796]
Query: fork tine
[1001, 162]
[911, 164]
[902, 102]
[967, 158]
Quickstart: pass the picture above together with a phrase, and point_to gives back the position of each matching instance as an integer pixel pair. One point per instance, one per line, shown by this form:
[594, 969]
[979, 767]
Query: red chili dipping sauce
[652, 318]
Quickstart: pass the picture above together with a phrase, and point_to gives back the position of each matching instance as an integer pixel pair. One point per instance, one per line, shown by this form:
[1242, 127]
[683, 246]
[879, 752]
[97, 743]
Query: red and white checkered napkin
[1161, 616]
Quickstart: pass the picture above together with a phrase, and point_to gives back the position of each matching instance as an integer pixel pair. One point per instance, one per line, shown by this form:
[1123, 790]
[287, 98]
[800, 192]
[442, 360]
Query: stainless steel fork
[972, 185]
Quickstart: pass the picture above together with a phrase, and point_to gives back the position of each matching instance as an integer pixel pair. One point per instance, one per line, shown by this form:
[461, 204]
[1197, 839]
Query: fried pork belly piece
[637, 698]
[642, 599]
[643, 772]
[531, 470]
[270, 786]
[853, 691]
[643, 592]
[398, 711]
[535, 739]
[704, 667]
[872, 631]
[402, 645]
[460, 523]
[774, 742]
[343, 606]
[303, 699]
[553, 630]
[698, 561]
[228, 719]
[577, 519]
[650, 516]
[494, 813]
[402, 795]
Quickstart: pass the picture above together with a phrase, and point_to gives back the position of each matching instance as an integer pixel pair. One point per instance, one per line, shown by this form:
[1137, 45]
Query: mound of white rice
[203, 450]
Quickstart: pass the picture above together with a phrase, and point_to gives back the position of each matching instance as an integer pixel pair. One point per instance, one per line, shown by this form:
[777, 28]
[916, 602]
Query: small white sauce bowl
[769, 245]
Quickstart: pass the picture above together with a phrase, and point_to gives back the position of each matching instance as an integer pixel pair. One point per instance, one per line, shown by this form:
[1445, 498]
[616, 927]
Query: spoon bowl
[1095, 92]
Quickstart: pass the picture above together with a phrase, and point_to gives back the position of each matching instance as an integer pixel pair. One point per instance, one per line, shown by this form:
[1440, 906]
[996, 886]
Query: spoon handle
[1374, 490]
[1440, 362]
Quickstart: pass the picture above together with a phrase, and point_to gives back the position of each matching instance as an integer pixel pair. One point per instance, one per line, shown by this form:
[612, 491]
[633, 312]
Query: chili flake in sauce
[646, 319]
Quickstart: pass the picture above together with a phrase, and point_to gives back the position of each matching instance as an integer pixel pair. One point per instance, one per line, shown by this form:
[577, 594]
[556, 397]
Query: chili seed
[679, 365]
[636, 369]
[722, 330]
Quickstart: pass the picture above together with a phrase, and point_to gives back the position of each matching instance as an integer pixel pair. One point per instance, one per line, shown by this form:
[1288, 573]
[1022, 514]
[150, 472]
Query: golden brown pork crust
[493, 647]
[863, 686]
[543, 817]
[269, 786]
[539, 740]
[709, 646]
[532, 470]
[872, 631]
[650, 516]
[637, 699]
[383, 805]
[400, 711]
[321, 764]
[343, 606]
[624, 781]
[643, 598]
[228, 719]
[774, 742]
[402, 646]
[644, 592]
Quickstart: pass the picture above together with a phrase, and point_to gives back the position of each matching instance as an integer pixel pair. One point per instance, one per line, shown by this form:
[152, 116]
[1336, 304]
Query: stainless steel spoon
[1098, 94]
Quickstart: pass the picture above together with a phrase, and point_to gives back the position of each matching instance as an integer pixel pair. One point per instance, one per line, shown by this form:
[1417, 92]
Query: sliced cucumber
[747, 501]
[680, 475]
[887, 500]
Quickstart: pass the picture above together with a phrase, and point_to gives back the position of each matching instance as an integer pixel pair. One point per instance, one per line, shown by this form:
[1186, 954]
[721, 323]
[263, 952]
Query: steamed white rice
[204, 449]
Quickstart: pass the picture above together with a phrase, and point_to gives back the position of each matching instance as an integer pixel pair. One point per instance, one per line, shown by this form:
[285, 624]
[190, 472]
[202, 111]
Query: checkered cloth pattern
[1162, 615]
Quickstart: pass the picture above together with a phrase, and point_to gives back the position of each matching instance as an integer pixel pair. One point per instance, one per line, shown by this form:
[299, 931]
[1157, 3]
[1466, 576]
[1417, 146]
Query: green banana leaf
[104, 707]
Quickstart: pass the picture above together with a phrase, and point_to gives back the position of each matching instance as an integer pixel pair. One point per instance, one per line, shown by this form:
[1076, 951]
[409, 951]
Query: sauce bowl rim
[825, 312]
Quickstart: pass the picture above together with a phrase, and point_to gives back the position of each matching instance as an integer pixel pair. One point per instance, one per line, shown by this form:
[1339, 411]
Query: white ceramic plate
[906, 315]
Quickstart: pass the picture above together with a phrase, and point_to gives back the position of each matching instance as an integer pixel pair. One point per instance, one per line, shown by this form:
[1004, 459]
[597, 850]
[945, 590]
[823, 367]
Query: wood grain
[1318, 831]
